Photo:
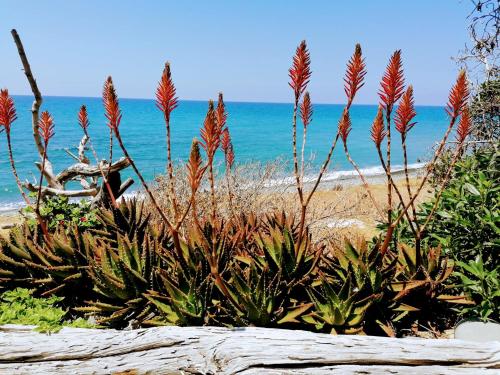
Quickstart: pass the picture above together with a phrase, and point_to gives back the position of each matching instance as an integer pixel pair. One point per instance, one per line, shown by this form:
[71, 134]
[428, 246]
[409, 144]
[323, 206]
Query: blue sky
[242, 48]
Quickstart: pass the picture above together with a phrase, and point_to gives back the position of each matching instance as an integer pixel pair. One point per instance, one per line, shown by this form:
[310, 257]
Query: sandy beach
[340, 207]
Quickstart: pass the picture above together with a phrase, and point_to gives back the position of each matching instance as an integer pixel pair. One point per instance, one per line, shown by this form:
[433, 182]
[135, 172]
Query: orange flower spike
[405, 112]
[209, 132]
[7, 110]
[225, 140]
[166, 101]
[230, 156]
[306, 110]
[459, 94]
[378, 129]
[221, 113]
[194, 166]
[83, 118]
[300, 72]
[345, 126]
[464, 126]
[46, 127]
[355, 74]
[111, 105]
[392, 84]
[227, 147]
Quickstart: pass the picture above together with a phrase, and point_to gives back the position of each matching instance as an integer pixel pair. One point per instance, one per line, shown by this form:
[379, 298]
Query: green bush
[18, 306]
[466, 226]
[59, 212]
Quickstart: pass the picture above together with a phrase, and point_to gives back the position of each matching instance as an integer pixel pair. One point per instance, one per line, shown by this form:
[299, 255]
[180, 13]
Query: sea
[261, 133]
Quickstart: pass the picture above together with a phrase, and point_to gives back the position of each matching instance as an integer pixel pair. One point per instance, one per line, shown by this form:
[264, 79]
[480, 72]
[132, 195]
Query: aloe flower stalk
[195, 170]
[166, 101]
[46, 130]
[227, 148]
[300, 74]
[305, 112]
[116, 121]
[378, 134]
[210, 134]
[392, 86]
[7, 116]
[403, 122]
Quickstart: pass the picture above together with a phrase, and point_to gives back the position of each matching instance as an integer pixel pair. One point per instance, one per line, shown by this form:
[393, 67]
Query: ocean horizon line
[226, 101]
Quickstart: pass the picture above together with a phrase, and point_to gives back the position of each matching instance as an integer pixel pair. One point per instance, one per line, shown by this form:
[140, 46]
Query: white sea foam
[343, 175]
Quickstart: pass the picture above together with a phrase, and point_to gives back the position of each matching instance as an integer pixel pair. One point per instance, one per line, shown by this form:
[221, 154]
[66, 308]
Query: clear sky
[242, 48]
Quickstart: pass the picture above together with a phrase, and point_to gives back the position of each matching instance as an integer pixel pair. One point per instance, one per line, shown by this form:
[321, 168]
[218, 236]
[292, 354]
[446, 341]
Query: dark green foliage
[51, 267]
[484, 287]
[467, 222]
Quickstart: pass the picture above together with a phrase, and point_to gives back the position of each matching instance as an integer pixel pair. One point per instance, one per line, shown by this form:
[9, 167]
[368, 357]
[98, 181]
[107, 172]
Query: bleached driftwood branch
[86, 170]
[48, 191]
[82, 170]
[35, 107]
[212, 350]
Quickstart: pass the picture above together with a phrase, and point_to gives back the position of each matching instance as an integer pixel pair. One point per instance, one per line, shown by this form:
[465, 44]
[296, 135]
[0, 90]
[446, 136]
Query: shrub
[467, 227]
[18, 306]
[59, 212]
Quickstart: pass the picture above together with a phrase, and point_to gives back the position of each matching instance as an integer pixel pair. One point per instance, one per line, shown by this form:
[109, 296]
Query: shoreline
[331, 180]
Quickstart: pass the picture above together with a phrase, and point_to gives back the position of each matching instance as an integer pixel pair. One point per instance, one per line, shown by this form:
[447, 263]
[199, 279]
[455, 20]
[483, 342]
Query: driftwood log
[211, 350]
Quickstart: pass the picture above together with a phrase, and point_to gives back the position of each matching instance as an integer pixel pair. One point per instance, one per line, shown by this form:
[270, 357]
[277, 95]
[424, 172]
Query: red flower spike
[459, 94]
[46, 127]
[300, 72]
[355, 74]
[230, 156]
[194, 166]
[345, 126]
[392, 84]
[111, 105]
[7, 110]
[221, 113]
[306, 110]
[378, 129]
[210, 133]
[225, 140]
[227, 147]
[83, 118]
[464, 126]
[166, 101]
[405, 112]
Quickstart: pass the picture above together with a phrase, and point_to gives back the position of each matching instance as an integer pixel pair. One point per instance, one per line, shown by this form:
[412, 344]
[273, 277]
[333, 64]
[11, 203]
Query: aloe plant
[54, 267]
[268, 283]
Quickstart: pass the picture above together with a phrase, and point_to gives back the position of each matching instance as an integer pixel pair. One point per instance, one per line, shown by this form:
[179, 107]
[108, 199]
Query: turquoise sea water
[260, 132]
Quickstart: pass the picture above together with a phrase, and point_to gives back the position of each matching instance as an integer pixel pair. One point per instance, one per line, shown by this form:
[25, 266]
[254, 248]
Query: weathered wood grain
[212, 350]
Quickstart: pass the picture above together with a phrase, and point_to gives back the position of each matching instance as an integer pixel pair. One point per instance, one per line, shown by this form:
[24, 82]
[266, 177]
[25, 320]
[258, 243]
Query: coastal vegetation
[175, 256]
